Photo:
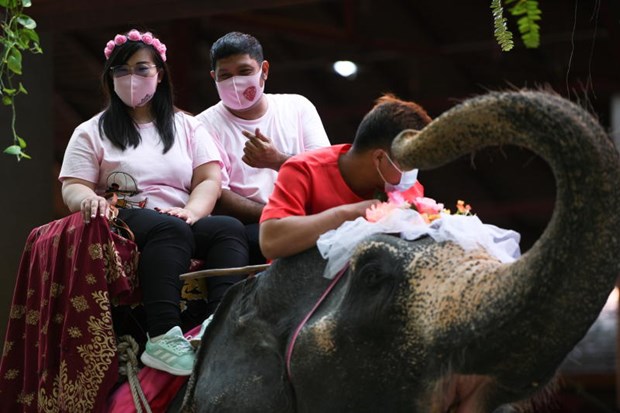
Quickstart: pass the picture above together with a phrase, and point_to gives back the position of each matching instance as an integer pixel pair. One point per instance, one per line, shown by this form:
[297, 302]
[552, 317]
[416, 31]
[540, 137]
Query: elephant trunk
[542, 304]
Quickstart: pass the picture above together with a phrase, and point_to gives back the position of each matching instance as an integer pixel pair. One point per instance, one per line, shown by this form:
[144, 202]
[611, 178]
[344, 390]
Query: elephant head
[424, 326]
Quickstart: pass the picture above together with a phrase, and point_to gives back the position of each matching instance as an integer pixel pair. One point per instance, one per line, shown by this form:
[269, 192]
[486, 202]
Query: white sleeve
[314, 134]
[82, 157]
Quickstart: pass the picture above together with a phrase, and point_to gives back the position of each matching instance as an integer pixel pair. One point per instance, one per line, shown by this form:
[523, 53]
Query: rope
[128, 366]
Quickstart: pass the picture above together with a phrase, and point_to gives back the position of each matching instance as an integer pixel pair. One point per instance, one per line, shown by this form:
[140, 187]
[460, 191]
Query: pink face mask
[240, 92]
[134, 90]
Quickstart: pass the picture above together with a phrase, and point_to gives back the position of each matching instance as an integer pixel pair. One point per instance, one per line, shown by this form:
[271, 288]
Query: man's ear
[265, 69]
[376, 155]
[212, 73]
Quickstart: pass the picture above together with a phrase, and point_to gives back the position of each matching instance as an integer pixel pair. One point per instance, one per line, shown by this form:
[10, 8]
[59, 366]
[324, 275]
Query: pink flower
[427, 206]
[398, 199]
[147, 38]
[119, 39]
[134, 35]
[163, 56]
[411, 194]
[378, 211]
[156, 43]
[110, 45]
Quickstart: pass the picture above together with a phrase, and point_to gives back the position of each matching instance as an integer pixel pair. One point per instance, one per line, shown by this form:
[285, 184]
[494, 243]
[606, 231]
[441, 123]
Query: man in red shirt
[319, 190]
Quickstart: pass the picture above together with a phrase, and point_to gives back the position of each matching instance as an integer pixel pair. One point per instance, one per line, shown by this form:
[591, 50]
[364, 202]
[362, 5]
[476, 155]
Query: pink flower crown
[135, 36]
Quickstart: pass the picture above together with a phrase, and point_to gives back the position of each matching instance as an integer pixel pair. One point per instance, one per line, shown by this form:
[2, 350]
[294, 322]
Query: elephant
[425, 326]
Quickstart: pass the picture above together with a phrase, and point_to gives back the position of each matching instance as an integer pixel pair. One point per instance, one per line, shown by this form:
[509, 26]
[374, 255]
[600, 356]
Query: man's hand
[259, 151]
[350, 212]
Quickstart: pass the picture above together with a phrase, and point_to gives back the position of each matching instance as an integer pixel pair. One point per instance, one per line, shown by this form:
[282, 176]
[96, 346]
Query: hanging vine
[527, 14]
[17, 34]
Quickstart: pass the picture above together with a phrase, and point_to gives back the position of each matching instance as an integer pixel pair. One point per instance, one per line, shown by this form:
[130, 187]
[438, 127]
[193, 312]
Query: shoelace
[178, 344]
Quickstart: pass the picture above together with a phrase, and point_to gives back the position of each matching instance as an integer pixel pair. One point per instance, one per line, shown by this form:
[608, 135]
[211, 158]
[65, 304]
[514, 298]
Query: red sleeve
[291, 192]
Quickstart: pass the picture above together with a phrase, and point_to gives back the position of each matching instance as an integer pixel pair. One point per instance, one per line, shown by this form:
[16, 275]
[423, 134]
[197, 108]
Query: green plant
[17, 34]
[527, 13]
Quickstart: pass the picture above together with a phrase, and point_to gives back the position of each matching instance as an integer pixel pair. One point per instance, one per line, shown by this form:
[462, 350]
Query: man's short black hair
[387, 119]
[234, 43]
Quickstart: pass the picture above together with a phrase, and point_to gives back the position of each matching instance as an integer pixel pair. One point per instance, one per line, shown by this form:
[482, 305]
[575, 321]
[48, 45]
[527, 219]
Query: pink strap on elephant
[291, 343]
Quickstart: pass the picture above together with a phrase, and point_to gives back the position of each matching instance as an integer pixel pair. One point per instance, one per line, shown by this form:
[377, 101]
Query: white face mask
[407, 179]
[134, 90]
[240, 92]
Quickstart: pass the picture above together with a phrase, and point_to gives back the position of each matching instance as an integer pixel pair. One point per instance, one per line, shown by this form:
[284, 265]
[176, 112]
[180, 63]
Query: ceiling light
[345, 68]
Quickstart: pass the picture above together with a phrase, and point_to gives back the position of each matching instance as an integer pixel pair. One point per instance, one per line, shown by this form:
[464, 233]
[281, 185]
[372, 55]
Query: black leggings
[167, 244]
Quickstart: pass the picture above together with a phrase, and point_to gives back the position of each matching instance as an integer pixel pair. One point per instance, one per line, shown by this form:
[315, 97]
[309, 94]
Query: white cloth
[165, 179]
[291, 122]
[468, 231]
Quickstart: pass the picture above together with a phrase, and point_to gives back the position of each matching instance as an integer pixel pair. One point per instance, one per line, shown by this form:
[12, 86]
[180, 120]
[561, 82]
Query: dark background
[436, 53]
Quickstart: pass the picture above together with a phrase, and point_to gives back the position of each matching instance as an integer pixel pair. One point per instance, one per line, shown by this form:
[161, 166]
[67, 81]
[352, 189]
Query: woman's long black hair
[116, 123]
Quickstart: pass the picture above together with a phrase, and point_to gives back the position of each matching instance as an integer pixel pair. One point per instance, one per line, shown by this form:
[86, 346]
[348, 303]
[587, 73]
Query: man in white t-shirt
[255, 132]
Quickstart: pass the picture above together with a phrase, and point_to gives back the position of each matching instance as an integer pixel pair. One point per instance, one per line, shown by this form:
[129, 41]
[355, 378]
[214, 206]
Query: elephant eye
[373, 274]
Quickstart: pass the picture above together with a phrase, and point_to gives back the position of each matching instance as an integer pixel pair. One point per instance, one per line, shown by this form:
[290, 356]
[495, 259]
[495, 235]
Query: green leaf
[26, 3]
[14, 61]
[21, 142]
[4, 3]
[22, 89]
[7, 100]
[9, 92]
[26, 21]
[503, 36]
[13, 150]
[31, 35]
[25, 155]
[529, 29]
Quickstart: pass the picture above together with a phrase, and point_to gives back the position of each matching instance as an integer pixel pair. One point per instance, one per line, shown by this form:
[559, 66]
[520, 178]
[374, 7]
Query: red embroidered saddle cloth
[60, 348]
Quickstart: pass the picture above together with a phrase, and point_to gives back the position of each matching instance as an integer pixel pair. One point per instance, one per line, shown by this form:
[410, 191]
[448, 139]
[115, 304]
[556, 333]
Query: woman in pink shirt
[165, 170]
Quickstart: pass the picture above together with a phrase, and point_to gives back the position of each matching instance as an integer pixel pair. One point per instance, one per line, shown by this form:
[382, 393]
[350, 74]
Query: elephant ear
[238, 366]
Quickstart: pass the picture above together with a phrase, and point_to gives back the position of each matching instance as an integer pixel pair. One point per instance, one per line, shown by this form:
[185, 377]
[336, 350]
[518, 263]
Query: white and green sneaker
[170, 352]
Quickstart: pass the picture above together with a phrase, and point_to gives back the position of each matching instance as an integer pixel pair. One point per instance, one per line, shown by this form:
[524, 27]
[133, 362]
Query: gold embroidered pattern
[75, 332]
[95, 251]
[79, 395]
[112, 263]
[56, 290]
[8, 346]
[70, 251]
[32, 317]
[90, 279]
[79, 303]
[45, 275]
[11, 374]
[29, 292]
[56, 240]
[25, 398]
[18, 311]
[59, 318]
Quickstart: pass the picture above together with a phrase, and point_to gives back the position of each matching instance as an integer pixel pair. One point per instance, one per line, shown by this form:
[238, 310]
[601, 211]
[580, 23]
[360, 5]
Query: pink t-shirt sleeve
[291, 192]
[83, 155]
[204, 147]
[226, 166]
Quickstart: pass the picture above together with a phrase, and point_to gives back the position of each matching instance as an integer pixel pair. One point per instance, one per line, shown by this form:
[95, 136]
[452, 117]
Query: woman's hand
[79, 195]
[93, 205]
[185, 214]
